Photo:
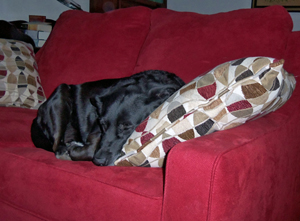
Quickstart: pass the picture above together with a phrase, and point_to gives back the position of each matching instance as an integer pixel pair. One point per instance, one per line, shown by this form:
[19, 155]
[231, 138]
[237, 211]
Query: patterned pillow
[227, 96]
[19, 80]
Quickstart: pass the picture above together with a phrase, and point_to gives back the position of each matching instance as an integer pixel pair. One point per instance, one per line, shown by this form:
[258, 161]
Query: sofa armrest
[247, 173]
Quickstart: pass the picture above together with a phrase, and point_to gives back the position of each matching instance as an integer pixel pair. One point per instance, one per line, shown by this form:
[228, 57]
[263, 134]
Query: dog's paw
[74, 144]
[63, 156]
[81, 153]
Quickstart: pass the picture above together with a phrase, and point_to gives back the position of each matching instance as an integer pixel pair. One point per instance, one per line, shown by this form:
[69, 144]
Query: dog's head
[120, 112]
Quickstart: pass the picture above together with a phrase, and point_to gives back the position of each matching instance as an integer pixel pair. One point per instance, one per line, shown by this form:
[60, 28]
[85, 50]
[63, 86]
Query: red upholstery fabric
[64, 190]
[190, 44]
[92, 46]
[246, 173]
[239, 174]
[15, 127]
[292, 54]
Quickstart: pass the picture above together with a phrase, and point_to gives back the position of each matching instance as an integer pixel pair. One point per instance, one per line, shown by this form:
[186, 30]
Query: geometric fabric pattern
[225, 97]
[20, 84]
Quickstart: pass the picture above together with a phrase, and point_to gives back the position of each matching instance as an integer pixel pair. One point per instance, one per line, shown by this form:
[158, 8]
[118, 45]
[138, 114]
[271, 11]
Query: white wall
[296, 20]
[207, 6]
[20, 9]
[215, 6]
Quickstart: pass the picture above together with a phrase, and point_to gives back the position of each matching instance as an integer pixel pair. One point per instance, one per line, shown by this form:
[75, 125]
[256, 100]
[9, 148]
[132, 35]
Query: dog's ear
[97, 102]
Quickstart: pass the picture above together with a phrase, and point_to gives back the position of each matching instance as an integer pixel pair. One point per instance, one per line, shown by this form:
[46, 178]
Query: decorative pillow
[227, 96]
[19, 80]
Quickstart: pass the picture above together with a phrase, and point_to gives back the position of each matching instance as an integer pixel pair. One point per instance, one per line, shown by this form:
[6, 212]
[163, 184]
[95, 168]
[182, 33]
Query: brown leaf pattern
[19, 80]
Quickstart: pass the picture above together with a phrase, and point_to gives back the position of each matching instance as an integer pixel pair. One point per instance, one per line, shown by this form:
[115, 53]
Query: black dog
[92, 121]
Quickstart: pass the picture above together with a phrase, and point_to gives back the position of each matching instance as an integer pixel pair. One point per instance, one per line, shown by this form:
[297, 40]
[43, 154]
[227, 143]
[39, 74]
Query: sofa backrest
[191, 44]
[86, 46]
[92, 46]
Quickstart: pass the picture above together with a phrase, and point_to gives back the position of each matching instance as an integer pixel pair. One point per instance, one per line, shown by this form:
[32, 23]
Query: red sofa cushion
[189, 44]
[92, 46]
[35, 182]
[15, 126]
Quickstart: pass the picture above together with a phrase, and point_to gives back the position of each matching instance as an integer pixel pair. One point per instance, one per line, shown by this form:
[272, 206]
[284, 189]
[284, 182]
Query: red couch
[251, 172]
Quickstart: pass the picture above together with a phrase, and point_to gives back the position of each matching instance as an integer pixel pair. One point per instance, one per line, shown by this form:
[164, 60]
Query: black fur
[92, 121]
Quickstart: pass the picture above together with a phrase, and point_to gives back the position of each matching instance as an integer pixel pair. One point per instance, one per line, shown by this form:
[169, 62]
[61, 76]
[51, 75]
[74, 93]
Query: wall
[208, 7]
[20, 9]
[216, 6]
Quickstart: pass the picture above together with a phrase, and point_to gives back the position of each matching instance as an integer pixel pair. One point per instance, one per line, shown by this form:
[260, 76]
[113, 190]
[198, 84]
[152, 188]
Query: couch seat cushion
[33, 180]
[15, 127]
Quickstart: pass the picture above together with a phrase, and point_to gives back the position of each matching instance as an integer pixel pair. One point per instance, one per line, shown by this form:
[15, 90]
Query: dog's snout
[100, 162]
[102, 158]
[105, 158]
